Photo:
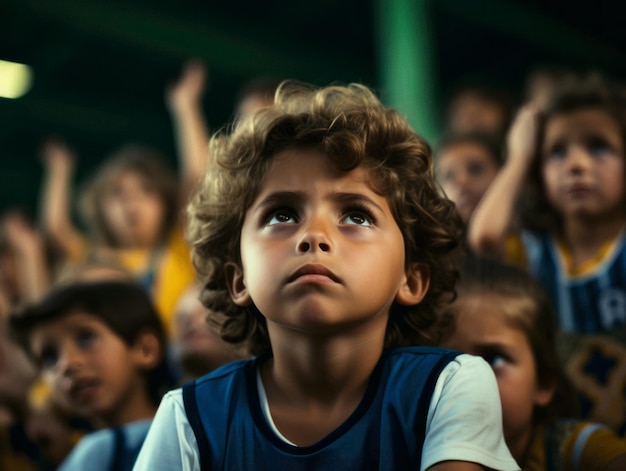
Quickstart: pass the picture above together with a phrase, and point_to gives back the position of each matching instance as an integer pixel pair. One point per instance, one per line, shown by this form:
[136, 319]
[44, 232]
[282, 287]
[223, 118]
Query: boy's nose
[70, 362]
[578, 159]
[306, 246]
[314, 238]
[461, 180]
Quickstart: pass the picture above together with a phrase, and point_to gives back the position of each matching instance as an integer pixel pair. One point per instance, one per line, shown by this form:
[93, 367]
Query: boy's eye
[557, 152]
[475, 169]
[48, 358]
[86, 338]
[495, 360]
[358, 216]
[447, 176]
[598, 147]
[281, 216]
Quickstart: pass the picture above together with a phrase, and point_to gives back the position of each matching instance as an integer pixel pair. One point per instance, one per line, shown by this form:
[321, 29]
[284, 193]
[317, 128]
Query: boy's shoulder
[420, 352]
[417, 365]
[228, 370]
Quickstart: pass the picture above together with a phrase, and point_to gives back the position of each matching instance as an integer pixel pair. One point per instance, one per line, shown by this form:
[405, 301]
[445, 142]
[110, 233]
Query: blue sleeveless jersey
[385, 432]
[592, 303]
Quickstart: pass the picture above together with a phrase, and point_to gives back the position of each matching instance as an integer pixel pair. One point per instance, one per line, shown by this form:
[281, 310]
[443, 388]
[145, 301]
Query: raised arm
[28, 248]
[493, 218]
[184, 101]
[55, 207]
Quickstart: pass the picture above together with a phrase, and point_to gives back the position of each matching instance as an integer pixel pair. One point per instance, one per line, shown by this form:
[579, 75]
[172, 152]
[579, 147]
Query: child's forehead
[450, 153]
[581, 122]
[127, 174]
[65, 321]
[294, 166]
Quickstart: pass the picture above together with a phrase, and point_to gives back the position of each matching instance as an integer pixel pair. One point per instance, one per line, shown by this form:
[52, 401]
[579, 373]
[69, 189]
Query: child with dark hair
[466, 164]
[479, 106]
[131, 208]
[567, 163]
[321, 237]
[100, 347]
[566, 171]
[502, 315]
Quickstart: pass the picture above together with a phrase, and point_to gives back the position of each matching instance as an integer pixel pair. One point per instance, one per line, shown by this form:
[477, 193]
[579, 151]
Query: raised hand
[189, 88]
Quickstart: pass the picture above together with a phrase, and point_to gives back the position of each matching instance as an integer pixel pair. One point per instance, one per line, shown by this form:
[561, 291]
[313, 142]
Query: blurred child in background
[132, 211]
[197, 346]
[479, 106]
[566, 167]
[570, 157]
[255, 95]
[466, 164]
[502, 315]
[100, 347]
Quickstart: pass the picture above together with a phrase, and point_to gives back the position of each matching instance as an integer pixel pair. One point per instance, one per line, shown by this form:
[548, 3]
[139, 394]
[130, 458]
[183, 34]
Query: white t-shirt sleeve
[94, 452]
[465, 417]
[171, 443]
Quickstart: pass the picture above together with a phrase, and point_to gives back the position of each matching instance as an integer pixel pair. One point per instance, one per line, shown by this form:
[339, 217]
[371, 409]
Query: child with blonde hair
[321, 236]
[502, 315]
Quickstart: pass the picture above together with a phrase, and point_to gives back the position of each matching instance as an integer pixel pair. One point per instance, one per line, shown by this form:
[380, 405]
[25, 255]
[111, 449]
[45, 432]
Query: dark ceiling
[101, 66]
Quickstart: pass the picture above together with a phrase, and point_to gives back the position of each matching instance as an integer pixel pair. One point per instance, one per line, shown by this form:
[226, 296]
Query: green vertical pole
[405, 48]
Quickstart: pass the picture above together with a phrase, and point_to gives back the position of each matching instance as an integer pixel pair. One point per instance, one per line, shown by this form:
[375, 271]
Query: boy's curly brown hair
[351, 126]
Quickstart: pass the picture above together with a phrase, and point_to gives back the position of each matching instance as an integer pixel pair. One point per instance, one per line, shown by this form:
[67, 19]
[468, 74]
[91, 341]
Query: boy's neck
[318, 381]
[585, 238]
[137, 407]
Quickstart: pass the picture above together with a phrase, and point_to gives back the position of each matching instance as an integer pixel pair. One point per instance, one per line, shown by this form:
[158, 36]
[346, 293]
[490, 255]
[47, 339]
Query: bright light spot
[15, 79]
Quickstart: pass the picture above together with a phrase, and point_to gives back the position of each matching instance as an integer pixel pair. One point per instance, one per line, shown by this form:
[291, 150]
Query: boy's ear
[545, 393]
[415, 285]
[147, 350]
[236, 285]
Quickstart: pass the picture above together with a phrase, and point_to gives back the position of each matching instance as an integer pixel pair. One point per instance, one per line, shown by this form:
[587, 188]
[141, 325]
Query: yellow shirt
[167, 271]
[573, 445]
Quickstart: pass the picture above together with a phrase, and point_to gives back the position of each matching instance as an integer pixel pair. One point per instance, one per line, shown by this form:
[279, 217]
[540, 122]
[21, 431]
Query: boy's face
[583, 165]
[133, 211]
[470, 112]
[196, 344]
[482, 330]
[89, 368]
[465, 171]
[321, 251]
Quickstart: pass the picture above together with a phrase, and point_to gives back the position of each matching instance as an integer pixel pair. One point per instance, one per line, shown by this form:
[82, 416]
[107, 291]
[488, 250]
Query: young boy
[321, 236]
[466, 164]
[100, 347]
[196, 347]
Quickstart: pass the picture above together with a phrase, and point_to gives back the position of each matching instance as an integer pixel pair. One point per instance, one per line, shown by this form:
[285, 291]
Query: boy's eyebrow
[280, 197]
[354, 198]
[491, 347]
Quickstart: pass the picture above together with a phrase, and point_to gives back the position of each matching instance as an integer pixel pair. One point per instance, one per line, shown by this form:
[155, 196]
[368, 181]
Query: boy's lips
[578, 188]
[83, 390]
[313, 272]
